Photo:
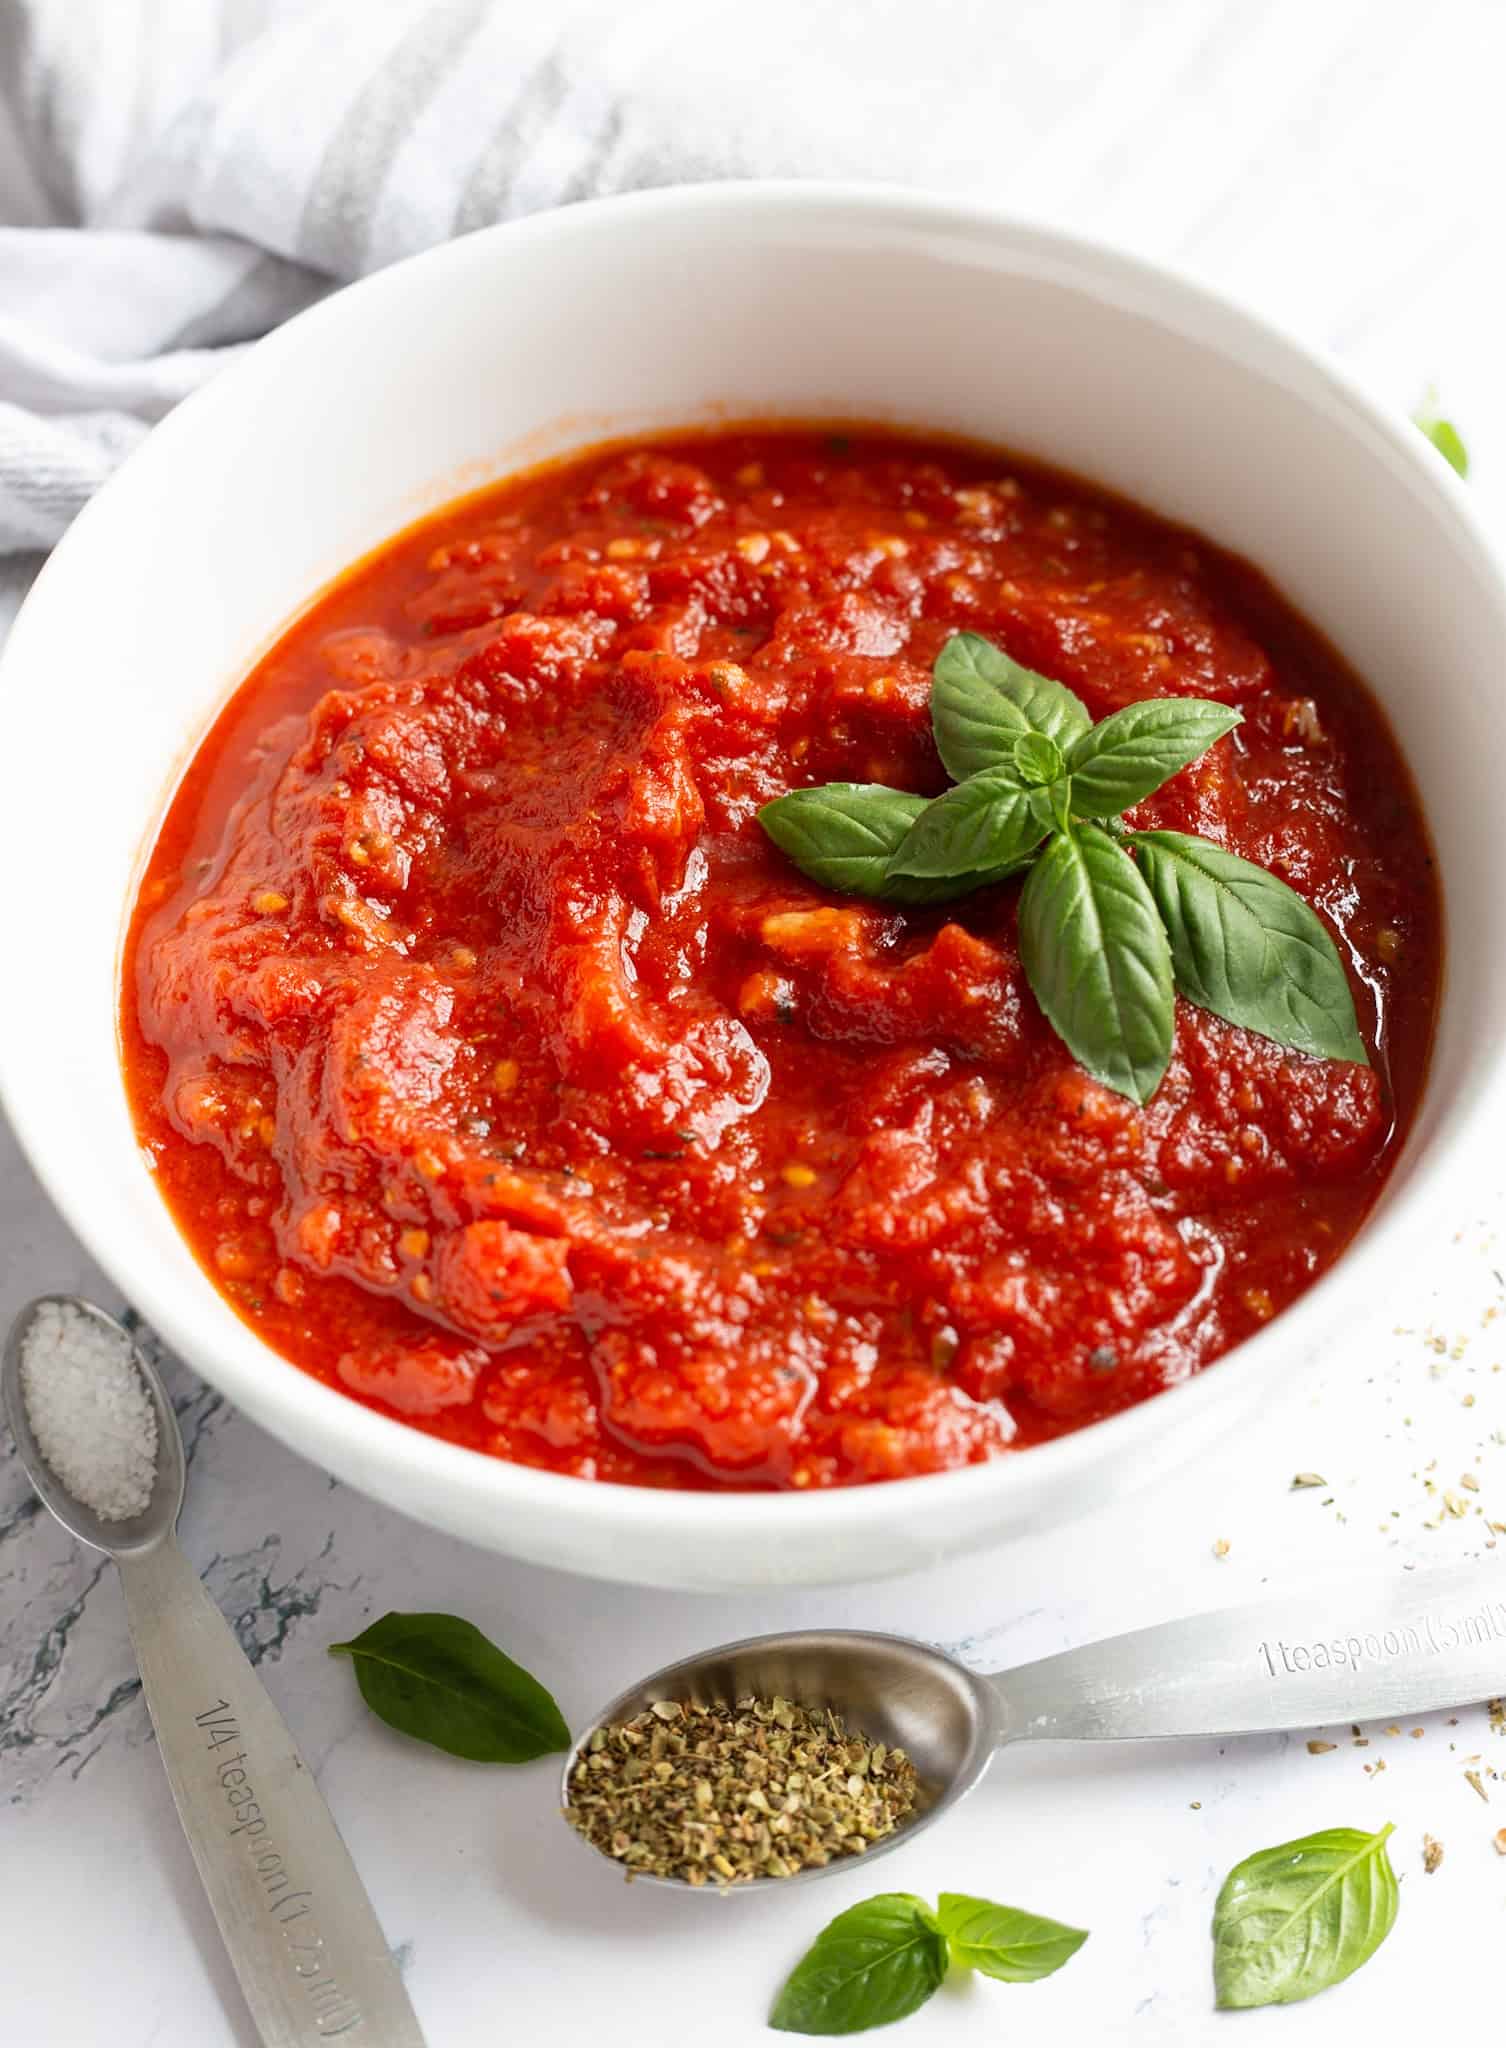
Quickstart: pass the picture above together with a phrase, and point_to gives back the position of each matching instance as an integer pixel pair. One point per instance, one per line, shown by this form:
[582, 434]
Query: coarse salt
[90, 1411]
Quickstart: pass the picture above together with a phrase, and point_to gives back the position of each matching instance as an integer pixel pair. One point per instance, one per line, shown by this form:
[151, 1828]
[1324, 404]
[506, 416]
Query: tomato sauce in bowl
[504, 1075]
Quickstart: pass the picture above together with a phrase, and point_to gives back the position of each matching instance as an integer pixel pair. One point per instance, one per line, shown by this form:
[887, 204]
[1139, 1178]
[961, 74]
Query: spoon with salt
[1372, 1644]
[100, 1443]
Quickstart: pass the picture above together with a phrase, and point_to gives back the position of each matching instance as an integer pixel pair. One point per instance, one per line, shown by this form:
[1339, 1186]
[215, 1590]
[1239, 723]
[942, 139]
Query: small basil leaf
[1128, 755]
[1037, 759]
[1003, 1942]
[1292, 1920]
[1443, 434]
[982, 702]
[843, 835]
[985, 823]
[875, 1963]
[438, 1678]
[1095, 954]
[1248, 948]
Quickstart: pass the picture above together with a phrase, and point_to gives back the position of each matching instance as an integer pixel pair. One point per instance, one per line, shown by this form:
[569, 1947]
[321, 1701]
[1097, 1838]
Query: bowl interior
[618, 318]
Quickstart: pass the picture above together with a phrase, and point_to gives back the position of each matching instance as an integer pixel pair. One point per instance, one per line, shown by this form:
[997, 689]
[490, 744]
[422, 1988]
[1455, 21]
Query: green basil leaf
[438, 1678]
[1291, 1921]
[1095, 953]
[984, 824]
[1037, 759]
[1131, 753]
[1443, 434]
[982, 702]
[844, 834]
[875, 1963]
[1003, 1942]
[1248, 948]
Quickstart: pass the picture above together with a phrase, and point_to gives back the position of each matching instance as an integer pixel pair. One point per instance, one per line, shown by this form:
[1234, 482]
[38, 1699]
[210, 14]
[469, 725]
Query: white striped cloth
[178, 175]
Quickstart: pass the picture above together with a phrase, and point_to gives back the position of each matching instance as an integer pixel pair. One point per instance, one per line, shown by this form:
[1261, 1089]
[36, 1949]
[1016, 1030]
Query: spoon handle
[302, 1935]
[1371, 1647]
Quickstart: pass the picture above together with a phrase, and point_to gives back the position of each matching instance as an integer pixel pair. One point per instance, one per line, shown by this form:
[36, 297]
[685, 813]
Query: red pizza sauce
[505, 1076]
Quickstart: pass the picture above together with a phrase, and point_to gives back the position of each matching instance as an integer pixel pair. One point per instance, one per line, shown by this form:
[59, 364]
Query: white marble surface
[1340, 167]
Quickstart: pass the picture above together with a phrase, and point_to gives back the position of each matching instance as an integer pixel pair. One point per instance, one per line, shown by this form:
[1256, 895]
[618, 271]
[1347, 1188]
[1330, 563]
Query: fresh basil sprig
[1111, 922]
[437, 1677]
[1293, 1920]
[881, 1960]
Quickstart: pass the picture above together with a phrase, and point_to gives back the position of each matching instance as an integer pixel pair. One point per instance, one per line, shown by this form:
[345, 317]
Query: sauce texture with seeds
[504, 1075]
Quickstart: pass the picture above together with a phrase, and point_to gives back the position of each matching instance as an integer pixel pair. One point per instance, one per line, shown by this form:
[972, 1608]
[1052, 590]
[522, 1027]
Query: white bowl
[635, 314]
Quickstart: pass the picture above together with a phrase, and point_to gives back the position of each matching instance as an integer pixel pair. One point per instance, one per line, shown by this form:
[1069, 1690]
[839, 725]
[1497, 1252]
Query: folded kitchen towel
[176, 176]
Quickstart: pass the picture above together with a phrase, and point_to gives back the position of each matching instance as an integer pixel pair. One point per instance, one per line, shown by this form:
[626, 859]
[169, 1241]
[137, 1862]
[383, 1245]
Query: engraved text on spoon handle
[306, 1945]
[1366, 1646]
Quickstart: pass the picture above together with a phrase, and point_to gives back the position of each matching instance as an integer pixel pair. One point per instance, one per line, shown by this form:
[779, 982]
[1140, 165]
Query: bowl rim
[309, 1410]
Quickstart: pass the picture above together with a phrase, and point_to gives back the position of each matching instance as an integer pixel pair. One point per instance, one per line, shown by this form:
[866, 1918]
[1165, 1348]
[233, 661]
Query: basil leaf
[1128, 755]
[438, 1678]
[843, 835]
[1037, 759]
[1003, 1942]
[982, 702]
[1291, 1921]
[1443, 434]
[1095, 953]
[985, 823]
[1248, 948]
[875, 1963]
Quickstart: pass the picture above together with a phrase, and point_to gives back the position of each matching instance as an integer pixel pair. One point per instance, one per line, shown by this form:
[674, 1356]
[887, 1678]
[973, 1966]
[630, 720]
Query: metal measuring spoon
[1374, 1645]
[306, 1945]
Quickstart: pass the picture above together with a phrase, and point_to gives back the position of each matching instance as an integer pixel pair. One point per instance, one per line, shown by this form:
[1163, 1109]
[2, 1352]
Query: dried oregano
[717, 1794]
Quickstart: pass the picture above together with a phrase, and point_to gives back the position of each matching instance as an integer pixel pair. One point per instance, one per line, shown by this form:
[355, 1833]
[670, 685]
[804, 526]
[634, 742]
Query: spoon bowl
[136, 1533]
[886, 1688]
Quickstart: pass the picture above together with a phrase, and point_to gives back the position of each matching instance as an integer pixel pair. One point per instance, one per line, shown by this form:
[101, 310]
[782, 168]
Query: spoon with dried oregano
[779, 1757]
[718, 1794]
